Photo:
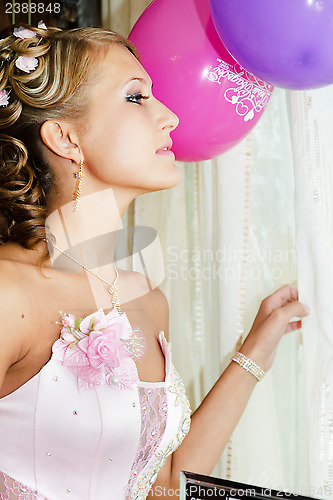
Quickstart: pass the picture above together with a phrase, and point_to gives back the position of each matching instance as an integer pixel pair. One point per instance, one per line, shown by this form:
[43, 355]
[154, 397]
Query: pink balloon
[216, 100]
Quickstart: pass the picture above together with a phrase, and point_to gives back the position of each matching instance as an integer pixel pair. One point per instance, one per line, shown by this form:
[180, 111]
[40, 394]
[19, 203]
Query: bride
[91, 406]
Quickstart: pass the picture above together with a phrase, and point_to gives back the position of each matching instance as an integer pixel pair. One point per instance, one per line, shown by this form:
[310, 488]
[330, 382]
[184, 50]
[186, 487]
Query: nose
[167, 118]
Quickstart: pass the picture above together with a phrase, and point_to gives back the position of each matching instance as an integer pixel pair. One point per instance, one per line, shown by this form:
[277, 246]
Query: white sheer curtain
[311, 115]
[228, 237]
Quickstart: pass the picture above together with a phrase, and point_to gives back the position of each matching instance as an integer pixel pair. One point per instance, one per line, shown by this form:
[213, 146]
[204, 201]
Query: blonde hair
[56, 88]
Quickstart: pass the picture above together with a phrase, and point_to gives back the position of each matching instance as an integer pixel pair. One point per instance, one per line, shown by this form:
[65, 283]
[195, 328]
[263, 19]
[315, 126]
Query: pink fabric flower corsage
[26, 64]
[42, 25]
[4, 98]
[100, 349]
[23, 33]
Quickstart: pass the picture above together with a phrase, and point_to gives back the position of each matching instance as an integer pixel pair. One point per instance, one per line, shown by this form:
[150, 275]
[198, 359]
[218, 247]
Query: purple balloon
[288, 43]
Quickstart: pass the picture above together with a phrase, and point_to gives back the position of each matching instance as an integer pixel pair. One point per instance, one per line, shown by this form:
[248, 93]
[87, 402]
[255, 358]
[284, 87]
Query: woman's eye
[137, 98]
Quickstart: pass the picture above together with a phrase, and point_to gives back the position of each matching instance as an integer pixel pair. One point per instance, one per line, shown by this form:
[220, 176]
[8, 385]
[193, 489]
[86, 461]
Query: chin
[168, 179]
[171, 180]
[160, 187]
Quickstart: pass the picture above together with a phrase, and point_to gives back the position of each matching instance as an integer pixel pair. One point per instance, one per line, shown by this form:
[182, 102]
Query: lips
[165, 149]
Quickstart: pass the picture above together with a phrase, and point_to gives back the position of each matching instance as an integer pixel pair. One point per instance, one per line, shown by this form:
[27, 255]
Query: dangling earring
[77, 193]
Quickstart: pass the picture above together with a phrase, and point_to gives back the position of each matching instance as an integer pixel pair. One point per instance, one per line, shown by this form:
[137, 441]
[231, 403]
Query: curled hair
[56, 88]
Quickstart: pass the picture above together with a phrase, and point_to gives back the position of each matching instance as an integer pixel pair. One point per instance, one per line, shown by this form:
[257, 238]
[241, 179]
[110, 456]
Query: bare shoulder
[139, 289]
[160, 306]
[135, 285]
[13, 292]
[14, 315]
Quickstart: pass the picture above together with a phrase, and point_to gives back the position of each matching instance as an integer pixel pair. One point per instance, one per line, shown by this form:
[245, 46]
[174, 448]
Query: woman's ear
[61, 139]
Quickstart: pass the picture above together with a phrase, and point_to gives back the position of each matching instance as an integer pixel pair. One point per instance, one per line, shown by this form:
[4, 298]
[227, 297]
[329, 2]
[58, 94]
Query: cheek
[119, 146]
[134, 142]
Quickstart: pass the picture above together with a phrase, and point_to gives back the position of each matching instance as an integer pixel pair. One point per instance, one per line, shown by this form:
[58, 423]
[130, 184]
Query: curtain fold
[235, 229]
[313, 160]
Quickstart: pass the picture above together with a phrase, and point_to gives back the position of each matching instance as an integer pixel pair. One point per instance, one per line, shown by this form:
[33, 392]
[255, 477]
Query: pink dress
[57, 442]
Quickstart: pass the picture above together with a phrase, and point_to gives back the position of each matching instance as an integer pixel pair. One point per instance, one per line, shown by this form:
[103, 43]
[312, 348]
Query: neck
[90, 234]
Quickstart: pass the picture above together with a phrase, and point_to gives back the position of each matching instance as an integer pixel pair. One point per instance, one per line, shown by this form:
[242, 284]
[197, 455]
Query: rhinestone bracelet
[249, 365]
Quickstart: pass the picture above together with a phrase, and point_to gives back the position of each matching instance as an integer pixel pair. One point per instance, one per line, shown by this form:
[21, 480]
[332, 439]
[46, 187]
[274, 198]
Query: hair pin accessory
[42, 25]
[26, 64]
[23, 33]
[4, 98]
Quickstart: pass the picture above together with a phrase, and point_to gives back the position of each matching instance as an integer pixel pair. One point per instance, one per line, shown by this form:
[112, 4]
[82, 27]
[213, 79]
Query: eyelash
[137, 98]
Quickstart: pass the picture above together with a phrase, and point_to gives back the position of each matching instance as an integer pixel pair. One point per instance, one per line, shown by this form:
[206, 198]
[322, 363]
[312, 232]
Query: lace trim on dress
[154, 410]
[11, 489]
[145, 483]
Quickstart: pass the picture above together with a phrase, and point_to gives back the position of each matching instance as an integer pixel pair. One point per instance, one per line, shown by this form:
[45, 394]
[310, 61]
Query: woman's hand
[271, 323]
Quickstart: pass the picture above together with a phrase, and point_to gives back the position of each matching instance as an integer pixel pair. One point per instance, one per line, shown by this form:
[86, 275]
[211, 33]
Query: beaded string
[112, 287]
[249, 365]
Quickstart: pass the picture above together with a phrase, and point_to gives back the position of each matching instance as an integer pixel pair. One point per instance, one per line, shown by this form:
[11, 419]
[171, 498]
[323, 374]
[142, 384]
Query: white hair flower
[42, 25]
[4, 98]
[23, 33]
[26, 64]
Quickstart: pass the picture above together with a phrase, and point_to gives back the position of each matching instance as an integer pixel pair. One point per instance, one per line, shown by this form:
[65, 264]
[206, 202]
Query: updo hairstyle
[66, 65]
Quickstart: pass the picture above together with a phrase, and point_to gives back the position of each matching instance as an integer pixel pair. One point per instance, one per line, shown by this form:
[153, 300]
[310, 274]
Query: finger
[300, 309]
[294, 325]
[278, 299]
[282, 296]
[283, 315]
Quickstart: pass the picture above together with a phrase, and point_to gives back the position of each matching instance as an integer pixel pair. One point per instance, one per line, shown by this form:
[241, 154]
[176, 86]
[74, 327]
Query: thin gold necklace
[112, 287]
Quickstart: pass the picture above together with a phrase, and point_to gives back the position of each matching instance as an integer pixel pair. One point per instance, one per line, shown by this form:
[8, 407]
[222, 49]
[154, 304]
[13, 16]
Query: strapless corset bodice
[94, 442]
